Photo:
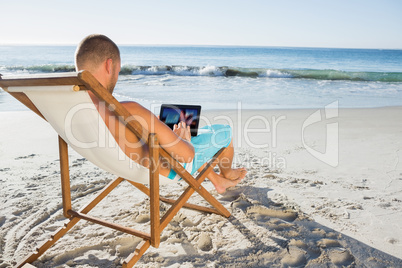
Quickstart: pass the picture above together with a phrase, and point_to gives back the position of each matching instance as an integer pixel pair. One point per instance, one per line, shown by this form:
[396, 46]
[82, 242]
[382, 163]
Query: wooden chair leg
[65, 177]
[134, 257]
[154, 189]
[141, 187]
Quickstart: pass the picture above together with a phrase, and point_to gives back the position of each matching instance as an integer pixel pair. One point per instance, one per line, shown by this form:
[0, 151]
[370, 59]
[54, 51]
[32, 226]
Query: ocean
[218, 77]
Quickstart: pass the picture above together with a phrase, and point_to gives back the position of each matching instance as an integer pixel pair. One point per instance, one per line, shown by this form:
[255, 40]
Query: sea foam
[217, 71]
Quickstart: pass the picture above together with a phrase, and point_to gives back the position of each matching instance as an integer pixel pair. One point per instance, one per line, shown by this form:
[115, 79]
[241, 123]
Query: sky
[307, 23]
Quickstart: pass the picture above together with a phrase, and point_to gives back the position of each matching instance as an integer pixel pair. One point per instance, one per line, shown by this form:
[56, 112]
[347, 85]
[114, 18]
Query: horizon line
[199, 45]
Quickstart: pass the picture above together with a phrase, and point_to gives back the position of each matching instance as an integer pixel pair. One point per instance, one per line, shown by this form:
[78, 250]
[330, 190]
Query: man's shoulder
[131, 105]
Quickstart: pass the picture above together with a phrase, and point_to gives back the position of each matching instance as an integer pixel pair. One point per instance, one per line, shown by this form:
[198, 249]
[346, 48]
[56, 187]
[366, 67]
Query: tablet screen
[172, 114]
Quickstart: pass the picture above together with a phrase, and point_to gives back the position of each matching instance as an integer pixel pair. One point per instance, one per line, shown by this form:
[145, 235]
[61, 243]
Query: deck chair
[53, 97]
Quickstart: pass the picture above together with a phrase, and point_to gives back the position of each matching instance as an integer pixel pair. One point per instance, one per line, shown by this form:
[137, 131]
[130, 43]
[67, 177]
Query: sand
[318, 193]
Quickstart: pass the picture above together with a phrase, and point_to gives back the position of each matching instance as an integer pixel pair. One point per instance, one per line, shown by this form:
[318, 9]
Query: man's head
[99, 55]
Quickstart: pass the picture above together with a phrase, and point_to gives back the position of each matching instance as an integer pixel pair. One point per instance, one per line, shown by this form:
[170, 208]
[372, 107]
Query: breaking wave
[213, 71]
[262, 72]
[48, 68]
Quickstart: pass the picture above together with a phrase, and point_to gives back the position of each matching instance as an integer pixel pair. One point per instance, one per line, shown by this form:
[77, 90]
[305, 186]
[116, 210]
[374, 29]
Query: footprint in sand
[328, 243]
[25, 157]
[288, 216]
[340, 256]
[78, 162]
[310, 248]
[296, 257]
[2, 220]
[144, 218]
[230, 196]
[242, 203]
[205, 242]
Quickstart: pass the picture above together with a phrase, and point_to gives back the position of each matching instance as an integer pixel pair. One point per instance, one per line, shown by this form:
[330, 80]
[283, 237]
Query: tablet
[172, 114]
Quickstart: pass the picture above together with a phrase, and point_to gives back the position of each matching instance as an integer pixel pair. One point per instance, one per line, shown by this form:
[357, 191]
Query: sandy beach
[323, 189]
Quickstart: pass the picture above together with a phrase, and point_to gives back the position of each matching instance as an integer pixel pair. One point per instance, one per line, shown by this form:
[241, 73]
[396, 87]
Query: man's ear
[109, 66]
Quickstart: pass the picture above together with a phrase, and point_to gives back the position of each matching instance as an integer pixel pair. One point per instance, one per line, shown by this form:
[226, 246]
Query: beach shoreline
[346, 195]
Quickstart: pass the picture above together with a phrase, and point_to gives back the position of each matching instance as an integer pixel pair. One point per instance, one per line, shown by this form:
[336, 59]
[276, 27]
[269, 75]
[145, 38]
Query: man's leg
[229, 177]
[225, 161]
[220, 182]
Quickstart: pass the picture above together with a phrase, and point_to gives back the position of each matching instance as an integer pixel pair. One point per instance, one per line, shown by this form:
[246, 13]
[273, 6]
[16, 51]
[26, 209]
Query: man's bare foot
[221, 183]
[235, 174]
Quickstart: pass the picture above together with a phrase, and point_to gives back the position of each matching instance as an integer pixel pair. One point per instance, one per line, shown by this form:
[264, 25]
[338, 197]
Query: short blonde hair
[95, 49]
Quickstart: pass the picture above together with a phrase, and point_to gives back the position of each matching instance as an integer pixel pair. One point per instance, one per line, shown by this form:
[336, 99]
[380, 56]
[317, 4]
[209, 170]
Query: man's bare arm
[178, 145]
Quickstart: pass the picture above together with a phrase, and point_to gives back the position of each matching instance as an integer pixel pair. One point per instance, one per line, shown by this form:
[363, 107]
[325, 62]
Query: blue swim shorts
[207, 143]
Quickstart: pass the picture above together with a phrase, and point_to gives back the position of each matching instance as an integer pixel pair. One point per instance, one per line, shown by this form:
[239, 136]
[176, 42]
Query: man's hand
[182, 130]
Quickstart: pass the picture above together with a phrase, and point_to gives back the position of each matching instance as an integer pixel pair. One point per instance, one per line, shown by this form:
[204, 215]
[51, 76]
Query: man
[100, 56]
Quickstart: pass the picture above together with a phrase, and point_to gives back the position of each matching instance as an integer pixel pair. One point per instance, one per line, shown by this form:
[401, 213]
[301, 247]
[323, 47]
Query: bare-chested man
[100, 56]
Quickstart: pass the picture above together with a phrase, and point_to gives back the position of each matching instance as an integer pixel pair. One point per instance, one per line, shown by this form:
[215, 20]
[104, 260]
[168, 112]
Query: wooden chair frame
[84, 80]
